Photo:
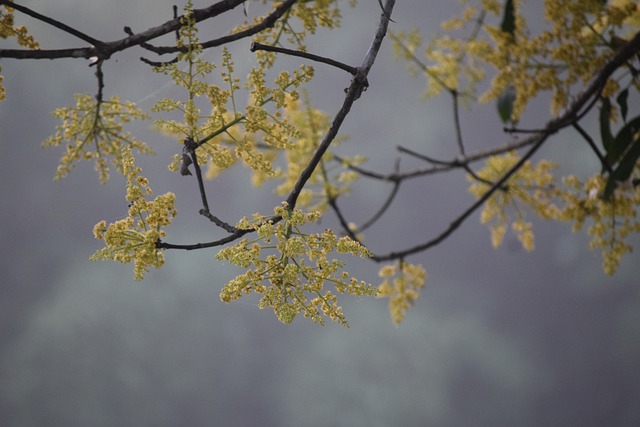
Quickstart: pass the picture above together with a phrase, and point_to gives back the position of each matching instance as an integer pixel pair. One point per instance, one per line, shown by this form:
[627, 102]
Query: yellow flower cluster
[95, 131]
[254, 136]
[449, 64]
[8, 29]
[134, 237]
[612, 221]
[289, 268]
[580, 36]
[304, 18]
[533, 187]
[193, 78]
[401, 284]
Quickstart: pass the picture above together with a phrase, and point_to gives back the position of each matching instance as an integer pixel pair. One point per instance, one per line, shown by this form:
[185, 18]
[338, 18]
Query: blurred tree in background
[584, 61]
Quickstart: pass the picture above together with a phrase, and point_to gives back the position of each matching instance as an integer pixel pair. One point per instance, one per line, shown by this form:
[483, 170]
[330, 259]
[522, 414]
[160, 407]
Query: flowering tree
[586, 57]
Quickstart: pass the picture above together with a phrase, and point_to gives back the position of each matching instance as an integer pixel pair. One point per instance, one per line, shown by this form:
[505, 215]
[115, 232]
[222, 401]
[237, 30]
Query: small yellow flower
[402, 283]
[290, 269]
[134, 238]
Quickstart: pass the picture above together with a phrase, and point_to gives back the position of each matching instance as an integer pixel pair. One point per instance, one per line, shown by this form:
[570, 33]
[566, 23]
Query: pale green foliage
[94, 130]
[133, 239]
[289, 269]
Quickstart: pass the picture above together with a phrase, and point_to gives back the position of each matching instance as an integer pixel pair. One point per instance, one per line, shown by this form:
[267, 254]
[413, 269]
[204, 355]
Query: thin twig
[348, 68]
[230, 238]
[148, 46]
[384, 207]
[343, 222]
[450, 164]
[190, 147]
[456, 121]
[603, 161]
[443, 166]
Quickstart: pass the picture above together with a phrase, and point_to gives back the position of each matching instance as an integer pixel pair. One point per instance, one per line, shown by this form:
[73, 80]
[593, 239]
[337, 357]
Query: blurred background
[498, 338]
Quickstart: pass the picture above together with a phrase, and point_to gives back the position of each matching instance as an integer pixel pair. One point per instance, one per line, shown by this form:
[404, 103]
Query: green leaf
[621, 99]
[628, 139]
[624, 169]
[505, 104]
[509, 18]
[605, 125]
[622, 140]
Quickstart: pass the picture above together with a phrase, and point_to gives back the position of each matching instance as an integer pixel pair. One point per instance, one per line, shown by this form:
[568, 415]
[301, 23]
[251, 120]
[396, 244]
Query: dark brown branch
[603, 161]
[428, 159]
[375, 217]
[440, 165]
[451, 164]
[147, 46]
[190, 148]
[343, 222]
[333, 202]
[312, 57]
[230, 238]
[456, 121]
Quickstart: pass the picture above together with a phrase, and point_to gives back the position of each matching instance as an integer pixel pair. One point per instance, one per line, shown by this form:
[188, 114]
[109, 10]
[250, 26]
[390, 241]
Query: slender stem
[190, 148]
[348, 68]
[456, 121]
[603, 161]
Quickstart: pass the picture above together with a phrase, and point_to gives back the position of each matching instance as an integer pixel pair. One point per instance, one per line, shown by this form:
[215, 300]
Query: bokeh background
[498, 338]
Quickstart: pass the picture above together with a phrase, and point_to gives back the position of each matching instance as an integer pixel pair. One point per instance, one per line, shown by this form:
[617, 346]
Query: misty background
[498, 337]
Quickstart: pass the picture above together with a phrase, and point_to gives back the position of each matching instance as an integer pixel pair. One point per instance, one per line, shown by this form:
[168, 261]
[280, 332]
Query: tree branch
[190, 148]
[348, 68]
[375, 217]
